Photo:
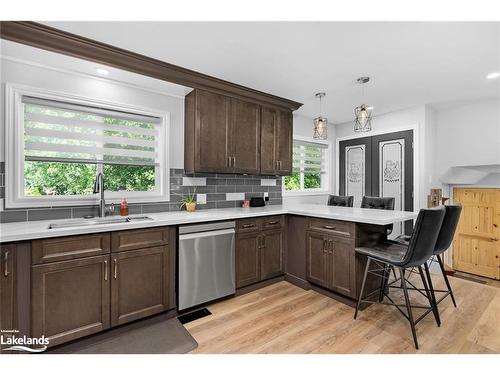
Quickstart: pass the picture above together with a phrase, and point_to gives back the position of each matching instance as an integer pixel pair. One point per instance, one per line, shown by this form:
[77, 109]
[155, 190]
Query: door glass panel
[391, 169]
[355, 172]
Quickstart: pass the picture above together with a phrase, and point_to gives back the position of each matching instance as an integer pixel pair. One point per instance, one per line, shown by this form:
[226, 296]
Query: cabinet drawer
[71, 247]
[272, 222]
[333, 227]
[247, 225]
[138, 239]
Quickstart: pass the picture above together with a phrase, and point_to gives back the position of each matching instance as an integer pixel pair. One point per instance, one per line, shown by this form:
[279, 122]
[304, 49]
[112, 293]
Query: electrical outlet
[201, 198]
[266, 196]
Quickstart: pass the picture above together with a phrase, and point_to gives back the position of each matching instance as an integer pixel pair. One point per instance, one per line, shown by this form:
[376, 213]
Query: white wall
[468, 134]
[81, 85]
[415, 118]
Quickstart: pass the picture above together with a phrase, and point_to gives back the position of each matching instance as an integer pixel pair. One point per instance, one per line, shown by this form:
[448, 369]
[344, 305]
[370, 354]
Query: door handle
[325, 244]
[248, 226]
[233, 158]
[229, 161]
[273, 222]
[331, 247]
[105, 270]
[115, 270]
[279, 165]
[6, 264]
[329, 227]
[494, 239]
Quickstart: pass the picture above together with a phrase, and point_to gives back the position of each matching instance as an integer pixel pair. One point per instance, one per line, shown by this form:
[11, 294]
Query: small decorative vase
[191, 207]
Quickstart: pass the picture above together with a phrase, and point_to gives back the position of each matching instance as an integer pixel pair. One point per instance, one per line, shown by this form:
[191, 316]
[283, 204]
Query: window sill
[302, 193]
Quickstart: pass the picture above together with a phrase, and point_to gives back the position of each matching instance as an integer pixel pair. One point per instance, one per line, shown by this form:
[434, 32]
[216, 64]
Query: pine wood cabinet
[229, 135]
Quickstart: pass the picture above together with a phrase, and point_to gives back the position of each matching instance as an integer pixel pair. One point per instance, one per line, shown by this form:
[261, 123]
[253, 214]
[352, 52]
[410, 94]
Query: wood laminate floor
[283, 318]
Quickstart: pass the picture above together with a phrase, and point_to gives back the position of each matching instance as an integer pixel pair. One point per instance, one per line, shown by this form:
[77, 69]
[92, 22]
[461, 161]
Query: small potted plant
[189, 202]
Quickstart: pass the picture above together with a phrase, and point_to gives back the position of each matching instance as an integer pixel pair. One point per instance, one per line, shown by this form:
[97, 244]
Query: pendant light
[363, 113]
[320, 123]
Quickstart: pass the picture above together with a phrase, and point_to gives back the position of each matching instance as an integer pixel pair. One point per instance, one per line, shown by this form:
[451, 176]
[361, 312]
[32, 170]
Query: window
[60, 146]
[310, 172]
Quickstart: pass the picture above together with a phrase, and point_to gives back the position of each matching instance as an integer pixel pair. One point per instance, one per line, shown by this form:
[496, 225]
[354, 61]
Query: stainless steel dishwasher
[206, 263]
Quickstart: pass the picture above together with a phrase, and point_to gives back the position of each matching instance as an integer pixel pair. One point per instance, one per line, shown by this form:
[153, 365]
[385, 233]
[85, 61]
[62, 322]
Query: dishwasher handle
[211, 233]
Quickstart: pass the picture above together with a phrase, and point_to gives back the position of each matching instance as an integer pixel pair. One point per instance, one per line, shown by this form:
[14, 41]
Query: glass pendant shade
[320, 128]
[363, 122]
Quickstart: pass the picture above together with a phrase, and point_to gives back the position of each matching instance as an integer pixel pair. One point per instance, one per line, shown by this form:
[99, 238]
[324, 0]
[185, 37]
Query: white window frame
[14, 151]
[325, 177]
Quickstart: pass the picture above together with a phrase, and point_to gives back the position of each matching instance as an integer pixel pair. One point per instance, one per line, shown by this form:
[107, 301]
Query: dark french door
[380, 166]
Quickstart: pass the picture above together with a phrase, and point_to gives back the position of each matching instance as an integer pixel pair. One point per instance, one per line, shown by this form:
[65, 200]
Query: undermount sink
[99, 221]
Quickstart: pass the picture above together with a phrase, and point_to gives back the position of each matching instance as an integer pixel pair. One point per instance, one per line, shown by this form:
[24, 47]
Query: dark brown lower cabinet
[271, 254]
[8, 287]
[140, 284]
[259, 256]
[317, 258]
[70, 299]
[247, 258]
[331, 263]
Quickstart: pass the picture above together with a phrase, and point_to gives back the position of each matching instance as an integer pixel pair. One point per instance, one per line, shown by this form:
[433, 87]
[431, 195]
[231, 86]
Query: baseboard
[297, 281]
[259, 285]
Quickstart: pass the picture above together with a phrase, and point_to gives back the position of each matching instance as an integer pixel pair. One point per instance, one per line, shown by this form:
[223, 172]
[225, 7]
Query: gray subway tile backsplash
[217, 185]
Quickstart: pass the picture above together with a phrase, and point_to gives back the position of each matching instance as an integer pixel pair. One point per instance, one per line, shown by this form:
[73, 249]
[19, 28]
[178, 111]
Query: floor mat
[157, 337]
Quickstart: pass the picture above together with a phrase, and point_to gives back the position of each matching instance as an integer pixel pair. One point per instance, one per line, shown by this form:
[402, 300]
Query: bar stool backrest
[340, 200]
[447, 232]
[379, 203]
[424, 237]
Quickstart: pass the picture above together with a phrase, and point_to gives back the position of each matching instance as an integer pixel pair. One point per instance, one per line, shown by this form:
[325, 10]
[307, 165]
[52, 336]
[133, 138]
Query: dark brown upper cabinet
[245, 137]
[276, 142]
[228, 135]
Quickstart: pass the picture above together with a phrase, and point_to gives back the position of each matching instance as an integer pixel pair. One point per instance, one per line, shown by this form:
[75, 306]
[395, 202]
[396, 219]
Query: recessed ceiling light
[493, 75]
[102, 71]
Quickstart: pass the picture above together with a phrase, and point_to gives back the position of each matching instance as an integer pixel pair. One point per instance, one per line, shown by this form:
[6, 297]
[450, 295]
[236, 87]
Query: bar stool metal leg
[408, 307]
[438, 256]
[360, 297]
[430, 297]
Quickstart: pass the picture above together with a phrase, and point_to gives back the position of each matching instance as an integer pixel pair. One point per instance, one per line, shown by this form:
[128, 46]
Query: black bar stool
[340, 200]
[391, 254]
[444, 240]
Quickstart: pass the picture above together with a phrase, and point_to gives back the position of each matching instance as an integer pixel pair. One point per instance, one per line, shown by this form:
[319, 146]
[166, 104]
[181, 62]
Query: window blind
[57, 131]
[308, 157]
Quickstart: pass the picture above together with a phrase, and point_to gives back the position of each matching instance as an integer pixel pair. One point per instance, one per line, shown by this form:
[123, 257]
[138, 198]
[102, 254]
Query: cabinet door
[316, 261]
[140, 284]
[341, 266]
[212, 132]
[7, 287]
[70, 299]
[271, 254]
[247, 259]
[245, 137]
[268, 141]
[285, 140]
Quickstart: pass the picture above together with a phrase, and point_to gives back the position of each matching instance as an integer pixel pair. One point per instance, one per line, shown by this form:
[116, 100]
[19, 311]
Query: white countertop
[30, 230]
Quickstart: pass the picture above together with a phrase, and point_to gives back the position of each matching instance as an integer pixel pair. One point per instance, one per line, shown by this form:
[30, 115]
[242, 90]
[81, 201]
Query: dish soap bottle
[124, 207]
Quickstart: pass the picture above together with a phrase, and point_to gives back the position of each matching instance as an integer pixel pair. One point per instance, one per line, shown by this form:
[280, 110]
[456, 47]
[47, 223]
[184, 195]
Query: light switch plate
[201, 198]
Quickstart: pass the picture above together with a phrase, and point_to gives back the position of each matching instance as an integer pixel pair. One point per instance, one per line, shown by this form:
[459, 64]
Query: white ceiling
[409, 63]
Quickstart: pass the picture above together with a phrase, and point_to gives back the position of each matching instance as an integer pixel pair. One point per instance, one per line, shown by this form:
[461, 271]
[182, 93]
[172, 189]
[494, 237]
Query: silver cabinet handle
[331, 246]
[325, 250]
[234, 161]
[6, 264]
[328, 227]
[105, 270]
[229, 161]
[248, 225]
[273, 222]
[115, 268]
